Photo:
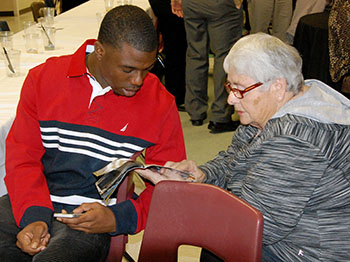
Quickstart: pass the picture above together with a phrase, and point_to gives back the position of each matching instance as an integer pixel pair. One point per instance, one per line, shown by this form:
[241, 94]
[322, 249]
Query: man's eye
[127, 70]
[150, 68]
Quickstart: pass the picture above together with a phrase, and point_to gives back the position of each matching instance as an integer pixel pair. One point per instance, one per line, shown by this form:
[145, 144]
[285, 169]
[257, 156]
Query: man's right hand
[33, 238]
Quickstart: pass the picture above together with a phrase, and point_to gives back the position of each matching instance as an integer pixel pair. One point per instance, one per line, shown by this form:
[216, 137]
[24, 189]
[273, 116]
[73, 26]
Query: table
[76, 25]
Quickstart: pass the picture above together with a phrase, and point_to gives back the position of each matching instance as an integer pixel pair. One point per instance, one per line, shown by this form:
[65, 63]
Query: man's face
[125, 68]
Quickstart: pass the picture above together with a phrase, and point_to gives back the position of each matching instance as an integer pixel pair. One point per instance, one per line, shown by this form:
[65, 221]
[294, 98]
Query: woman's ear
[279, 88]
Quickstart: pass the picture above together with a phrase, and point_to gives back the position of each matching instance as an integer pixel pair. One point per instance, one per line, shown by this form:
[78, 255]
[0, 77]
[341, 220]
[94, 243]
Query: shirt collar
[77, 66]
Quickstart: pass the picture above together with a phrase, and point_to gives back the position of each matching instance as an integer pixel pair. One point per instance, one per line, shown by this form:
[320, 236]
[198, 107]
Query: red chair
[117, 246]
[183, 213]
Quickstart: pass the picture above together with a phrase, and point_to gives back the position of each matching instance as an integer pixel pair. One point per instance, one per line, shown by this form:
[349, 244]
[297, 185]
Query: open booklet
[114, 173]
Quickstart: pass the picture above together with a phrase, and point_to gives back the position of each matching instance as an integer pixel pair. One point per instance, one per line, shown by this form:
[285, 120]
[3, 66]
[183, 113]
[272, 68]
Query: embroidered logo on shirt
[124, 128]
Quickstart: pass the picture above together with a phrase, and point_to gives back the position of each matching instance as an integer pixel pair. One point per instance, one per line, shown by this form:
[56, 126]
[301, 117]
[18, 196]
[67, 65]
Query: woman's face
[257, 106]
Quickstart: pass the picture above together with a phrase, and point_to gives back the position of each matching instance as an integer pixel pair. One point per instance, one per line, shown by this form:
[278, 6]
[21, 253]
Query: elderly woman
[290, 158]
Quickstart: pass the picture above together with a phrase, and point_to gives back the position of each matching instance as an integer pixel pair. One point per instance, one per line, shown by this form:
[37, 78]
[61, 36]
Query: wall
[14, 7]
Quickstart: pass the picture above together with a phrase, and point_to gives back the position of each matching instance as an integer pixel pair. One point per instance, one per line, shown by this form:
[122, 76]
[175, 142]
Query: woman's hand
[188, 166]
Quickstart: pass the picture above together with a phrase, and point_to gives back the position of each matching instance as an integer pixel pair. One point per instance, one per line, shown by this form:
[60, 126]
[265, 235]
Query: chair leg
[128, 257]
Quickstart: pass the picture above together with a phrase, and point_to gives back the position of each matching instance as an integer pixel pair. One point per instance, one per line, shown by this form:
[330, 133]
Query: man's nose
[137, 78]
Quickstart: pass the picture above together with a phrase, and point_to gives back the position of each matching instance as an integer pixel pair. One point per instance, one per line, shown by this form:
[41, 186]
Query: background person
[290, 158]
[76, 114]
[339, 44]
[172, 29]
[261, 13]
[302, 8]
[214, 25]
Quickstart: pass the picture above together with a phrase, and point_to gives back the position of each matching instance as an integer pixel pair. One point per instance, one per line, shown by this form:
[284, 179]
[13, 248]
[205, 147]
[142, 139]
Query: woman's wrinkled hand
[190, 172]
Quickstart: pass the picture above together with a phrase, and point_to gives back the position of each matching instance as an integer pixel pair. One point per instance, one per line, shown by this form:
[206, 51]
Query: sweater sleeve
[218, 171]
[131, 215]
[25, 180]
[277, 177]
[282, 175]
[170, 148]
[171, 145]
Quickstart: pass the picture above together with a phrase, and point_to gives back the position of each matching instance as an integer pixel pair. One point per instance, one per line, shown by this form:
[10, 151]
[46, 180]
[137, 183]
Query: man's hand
[176, 8]
[185, 165]
[96, 218]
[33, 238]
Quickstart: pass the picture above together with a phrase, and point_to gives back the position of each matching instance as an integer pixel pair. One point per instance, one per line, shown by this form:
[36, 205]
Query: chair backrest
[35, 7]
[118, 243]
[184, 213]
[4, 26]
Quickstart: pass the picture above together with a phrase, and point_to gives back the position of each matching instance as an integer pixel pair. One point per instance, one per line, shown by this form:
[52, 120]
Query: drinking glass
[12, 61]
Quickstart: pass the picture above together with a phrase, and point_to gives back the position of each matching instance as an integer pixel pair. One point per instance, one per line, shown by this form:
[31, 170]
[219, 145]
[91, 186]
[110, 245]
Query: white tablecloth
[75, 26]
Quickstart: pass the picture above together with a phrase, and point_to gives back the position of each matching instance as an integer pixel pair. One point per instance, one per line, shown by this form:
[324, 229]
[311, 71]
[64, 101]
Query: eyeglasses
[240, 93]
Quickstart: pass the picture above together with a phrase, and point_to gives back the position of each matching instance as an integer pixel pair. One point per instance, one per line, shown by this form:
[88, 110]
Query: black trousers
[65, 245]
[174, 36]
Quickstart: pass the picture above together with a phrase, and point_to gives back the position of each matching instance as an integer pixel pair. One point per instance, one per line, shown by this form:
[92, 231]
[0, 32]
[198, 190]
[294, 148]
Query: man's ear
[99, 50]
[279, 88]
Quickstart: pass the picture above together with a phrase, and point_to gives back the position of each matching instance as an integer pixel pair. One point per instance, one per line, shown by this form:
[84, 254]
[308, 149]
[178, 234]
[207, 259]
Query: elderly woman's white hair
[265, 58]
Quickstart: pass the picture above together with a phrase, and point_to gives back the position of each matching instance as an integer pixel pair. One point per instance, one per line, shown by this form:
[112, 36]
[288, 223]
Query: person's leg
[225, 28]
[65, 244]
[175, 45]
[260, 14]
[72, 245]
[49, 3]
[9, 252]
[69, 4]
[247, 21]
[282, 16]
[197, 61]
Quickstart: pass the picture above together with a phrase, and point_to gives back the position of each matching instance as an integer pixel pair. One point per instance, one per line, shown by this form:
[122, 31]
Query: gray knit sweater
[296, 172]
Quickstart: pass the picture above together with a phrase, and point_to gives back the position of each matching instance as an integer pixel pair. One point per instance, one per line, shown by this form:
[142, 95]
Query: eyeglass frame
[241, 93]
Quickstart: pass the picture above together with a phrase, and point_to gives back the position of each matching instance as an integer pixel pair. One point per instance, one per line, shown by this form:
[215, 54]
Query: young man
[76, 114]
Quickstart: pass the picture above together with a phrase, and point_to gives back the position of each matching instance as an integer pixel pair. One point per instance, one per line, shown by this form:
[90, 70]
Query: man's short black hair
[128, 24]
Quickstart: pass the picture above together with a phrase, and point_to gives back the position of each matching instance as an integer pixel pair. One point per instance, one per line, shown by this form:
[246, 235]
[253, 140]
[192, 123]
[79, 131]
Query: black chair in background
[4, 26]
[35, 7]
